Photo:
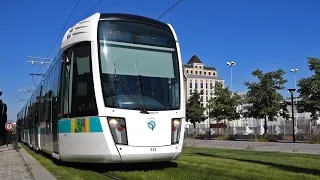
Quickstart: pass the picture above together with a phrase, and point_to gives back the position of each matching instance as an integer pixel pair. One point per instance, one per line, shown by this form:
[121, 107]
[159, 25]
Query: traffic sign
[9, 126]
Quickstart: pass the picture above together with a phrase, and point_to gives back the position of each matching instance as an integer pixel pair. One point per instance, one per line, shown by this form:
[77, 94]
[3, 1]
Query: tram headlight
[176, 123]
[113, 122]
[118, 130]
[175, 130]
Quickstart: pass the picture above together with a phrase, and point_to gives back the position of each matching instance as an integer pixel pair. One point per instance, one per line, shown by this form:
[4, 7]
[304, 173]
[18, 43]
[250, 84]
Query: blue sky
[267, 35]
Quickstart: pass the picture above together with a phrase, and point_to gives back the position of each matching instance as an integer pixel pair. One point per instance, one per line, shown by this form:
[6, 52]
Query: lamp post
[295, 81]
[231, 64]
[292, 112]
[294, 71]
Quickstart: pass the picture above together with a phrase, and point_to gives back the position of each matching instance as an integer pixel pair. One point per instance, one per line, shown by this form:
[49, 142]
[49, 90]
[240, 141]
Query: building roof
[195, 59]
[197, 76]
[204, 67]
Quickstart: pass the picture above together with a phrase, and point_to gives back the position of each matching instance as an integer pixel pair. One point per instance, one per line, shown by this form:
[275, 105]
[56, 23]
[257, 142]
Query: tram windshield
[144, 59]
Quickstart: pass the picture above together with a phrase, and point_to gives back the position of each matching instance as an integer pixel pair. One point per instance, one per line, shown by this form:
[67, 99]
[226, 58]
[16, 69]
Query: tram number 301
[153, 149]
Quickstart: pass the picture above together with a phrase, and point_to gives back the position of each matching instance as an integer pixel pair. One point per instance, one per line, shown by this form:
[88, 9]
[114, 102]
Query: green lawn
[200, 163]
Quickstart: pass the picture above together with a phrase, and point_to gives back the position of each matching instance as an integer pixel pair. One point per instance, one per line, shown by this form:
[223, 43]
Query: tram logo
[151, 125]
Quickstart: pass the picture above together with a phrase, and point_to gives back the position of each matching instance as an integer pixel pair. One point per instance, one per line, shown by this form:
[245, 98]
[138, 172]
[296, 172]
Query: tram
[113, 94]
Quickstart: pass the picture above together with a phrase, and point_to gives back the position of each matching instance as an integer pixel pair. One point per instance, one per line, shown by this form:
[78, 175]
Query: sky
[268, 35]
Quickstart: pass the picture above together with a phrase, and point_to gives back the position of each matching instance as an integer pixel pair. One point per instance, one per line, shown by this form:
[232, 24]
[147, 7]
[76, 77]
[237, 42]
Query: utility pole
[42, 61]
[34, 60]
[292, 109]
[25, 90]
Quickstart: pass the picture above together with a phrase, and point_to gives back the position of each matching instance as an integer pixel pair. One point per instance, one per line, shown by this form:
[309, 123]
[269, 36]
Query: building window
[191, 71]
[206, 85]
[201, 98]
[201, 85]
[190, 92]
[196, 85]
[211, 86]
[205, 73]
[196, 66]
[209, 73]
[196, 72]
[190, 84]
[187, 71]
[213, 74]
[199, 72]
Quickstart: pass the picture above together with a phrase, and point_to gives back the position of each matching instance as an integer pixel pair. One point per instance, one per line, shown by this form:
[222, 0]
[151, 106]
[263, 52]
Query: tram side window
[48, 102]
[64, 92]
[42, 103]
[83, 102]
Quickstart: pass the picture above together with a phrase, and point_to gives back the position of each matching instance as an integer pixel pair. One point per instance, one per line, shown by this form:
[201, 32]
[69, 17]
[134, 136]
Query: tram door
[56, 105]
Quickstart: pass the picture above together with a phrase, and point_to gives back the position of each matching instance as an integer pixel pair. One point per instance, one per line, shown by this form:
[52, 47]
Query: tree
[223, 105]
[194, 111]
[284, 110]
[309, 90]
[265, 102]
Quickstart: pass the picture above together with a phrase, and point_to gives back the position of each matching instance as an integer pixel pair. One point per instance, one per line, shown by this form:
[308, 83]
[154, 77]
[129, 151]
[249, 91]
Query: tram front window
[144, 59]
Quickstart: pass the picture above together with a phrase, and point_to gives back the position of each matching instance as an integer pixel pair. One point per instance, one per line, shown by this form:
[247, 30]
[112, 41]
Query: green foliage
[265, 102]
[284, 110]
[265, 138]
[194, 110]
[223, 105]
[309, 90]
[314, 138]
[226, 137]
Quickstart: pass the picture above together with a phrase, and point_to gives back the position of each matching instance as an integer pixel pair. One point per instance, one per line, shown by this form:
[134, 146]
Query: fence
[249, 128]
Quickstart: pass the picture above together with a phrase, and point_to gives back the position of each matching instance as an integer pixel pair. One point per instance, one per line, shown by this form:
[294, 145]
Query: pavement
[20, 166]
[259, 146]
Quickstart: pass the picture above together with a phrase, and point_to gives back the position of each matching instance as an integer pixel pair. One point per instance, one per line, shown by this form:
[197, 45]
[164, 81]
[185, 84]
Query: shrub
[314, 139]
[226, 137]
[265, 138]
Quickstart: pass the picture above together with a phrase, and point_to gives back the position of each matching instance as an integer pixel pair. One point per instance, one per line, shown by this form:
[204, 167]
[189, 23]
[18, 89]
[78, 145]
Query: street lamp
[231, 64]
[293, 133]
[295, 81]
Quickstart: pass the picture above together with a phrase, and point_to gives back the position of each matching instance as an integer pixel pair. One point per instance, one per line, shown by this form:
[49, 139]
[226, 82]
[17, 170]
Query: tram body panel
[121, 133]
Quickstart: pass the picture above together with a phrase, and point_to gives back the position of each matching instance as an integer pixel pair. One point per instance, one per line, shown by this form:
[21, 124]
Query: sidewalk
[20, 165]
[12, 165]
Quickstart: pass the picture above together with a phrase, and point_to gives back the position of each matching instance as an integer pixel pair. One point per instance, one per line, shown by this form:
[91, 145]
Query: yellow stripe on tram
[86, 125]
[73, 125]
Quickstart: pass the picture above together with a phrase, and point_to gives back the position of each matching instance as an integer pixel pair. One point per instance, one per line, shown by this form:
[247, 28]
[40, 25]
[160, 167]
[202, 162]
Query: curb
[38, 171]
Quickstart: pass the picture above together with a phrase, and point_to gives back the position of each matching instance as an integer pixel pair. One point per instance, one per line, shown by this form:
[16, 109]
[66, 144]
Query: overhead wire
[94, 7]
[43, 65]
[168, 10]
[40, 70]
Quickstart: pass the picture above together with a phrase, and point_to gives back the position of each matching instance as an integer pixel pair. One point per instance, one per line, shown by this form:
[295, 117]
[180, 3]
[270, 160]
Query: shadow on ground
[103, 168]
[5, 149]
[274, 165]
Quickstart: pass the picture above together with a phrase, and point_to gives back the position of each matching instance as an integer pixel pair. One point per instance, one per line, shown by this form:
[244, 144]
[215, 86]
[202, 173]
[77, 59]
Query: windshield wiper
[125, 90]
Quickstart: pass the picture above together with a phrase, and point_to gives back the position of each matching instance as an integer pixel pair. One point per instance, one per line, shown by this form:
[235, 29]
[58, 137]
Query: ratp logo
[151, 125]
